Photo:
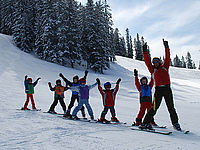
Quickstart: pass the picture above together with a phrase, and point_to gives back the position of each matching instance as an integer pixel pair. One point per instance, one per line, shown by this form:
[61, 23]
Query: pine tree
[128, 44]
[116, 42]
[183, 62]
[177, 62]
[138, 48]
[122, 47]
[189, 61]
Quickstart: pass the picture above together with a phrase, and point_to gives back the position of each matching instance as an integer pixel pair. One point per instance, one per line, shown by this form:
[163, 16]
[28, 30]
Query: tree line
[67, 33]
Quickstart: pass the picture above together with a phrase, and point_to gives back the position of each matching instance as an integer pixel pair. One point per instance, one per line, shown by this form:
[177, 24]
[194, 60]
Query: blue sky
[177, 21]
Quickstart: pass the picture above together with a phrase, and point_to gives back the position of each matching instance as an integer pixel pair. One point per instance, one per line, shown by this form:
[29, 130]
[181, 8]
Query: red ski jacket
[161, 74]
[108, 96]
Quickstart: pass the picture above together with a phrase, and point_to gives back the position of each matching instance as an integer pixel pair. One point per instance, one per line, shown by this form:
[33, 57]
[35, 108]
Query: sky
[177, 21]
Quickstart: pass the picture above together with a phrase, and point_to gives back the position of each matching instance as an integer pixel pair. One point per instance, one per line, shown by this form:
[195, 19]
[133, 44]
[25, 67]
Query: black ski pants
[71, 104]
[55, 102]
[105, 110]
[161, 92]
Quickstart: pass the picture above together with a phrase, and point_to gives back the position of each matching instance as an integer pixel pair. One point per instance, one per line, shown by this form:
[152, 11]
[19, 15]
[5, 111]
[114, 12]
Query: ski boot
[52, 112]
[138, 121]
[114, 119]
[103, 120]
[177, 126]
[92, 117]
[75, 118]
[145, 127]
[154, 124]
[23, 108]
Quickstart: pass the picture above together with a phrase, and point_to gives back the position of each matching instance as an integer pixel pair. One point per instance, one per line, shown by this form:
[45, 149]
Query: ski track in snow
[38, 130]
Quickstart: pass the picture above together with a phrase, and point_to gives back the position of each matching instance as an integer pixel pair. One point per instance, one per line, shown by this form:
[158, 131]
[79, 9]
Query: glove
[119, 80]
[86, 72]
[144, 47]
[26, 77]
[98, 81]
[49, 84]
[165, 43]
[38, 78]
[135, 72]
[61, 75]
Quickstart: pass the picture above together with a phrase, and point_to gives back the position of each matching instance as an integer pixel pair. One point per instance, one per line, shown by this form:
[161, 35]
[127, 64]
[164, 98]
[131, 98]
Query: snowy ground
[37, 130]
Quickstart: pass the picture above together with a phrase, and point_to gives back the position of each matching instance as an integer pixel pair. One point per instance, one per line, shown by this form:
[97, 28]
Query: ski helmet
[143, 79]
[82, 80]
[58, 81]
[156, 60]
[29, 80]
[107, 85]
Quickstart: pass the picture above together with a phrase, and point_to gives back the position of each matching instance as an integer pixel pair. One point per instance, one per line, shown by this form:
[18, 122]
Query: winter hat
[142, 79]
[75, 77]
[156, 60]
[29, 79]
[107, 85]
[82, 80]
[58, 81]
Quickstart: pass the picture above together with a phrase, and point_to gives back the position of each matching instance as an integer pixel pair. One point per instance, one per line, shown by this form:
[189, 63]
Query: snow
[37, 130]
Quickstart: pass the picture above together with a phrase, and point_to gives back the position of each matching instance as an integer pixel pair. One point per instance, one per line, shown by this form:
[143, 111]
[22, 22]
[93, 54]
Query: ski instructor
[160, 74]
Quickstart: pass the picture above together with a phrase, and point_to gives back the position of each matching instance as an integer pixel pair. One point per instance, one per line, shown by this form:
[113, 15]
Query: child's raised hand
[39, 78]
[26, 76]
[119, 80]
[135, 72]
[61, 75]
[98, 81]
[49, 84]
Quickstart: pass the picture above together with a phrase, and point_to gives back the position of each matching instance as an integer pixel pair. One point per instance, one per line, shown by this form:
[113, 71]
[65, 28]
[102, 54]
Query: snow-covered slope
[37, 130]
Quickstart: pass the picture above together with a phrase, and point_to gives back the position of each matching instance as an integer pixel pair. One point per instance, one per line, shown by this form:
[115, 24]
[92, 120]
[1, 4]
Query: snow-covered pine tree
[116, 42]
[122, 46]
[189, 64]
[6, 17]
[177, 62]
[128, 44]
[23, 29]
[68, 33]
[138, 48]
[183, 63]
[131, 47]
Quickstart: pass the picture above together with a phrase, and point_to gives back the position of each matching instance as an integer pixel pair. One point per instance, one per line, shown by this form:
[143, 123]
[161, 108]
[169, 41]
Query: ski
[80, 119]
[29, 109]
[53, 113]
[152, 131]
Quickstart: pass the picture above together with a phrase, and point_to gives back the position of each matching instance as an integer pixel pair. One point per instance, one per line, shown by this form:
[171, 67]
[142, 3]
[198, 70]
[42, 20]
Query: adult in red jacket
[108, 96]
[160, 73]
[145, 97]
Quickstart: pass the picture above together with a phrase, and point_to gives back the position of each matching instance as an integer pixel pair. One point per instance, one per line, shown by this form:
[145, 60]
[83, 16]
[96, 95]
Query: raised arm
[67, 81]
[92, 86]
[52, 89]
[116, 87]
[147, 58]
[167, 55]
[99, 86]
[35, 83]
[86, 73]
[137, 83]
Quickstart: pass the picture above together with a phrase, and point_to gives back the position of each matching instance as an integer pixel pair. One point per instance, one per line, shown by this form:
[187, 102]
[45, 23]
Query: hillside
[37, 130]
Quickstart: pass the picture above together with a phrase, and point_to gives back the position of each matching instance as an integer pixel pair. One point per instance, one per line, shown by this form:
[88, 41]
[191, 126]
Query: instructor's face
[156, 64]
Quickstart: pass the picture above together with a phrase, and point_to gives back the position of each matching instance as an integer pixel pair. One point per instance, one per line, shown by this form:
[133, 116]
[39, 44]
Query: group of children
[80, 92]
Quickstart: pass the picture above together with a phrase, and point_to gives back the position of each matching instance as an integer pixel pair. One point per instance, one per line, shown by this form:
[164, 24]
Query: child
[108, 96]
[59, 96]
[29, 89]
[145, 97]
[75, 94]
[83, 90]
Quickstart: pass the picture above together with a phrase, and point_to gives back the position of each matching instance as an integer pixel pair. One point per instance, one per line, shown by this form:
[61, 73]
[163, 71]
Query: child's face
[75, 81]
[83, 83]
[108, 88]
[144, 81]
[29, 81]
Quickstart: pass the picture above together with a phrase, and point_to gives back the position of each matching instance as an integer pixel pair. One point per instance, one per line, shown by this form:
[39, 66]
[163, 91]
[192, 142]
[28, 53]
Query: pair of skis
[156, 130]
